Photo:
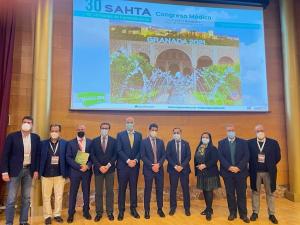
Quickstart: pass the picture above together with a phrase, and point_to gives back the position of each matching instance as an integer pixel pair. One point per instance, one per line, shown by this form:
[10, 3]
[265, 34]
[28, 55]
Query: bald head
[260, 132]
[259, 128]
[230, 127]
[130, 119]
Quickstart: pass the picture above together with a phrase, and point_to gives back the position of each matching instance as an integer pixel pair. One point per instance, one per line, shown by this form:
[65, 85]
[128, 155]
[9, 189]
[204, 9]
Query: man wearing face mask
[234, 159]
[264, 157]
[128, 166]
[80, 172]
[104, 155]
[20, 163]
[53, 171]
[178, 154]
[153, 156]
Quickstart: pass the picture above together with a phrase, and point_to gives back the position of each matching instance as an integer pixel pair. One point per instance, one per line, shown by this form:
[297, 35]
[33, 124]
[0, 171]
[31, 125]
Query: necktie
[178, 152]
[80, 142]
[154, 149]
[103, 144]
[131, 139]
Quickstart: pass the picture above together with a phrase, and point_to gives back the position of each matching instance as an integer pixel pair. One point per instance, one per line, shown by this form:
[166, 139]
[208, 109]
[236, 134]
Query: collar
[231, 140]
[80, 139]
[132, 132]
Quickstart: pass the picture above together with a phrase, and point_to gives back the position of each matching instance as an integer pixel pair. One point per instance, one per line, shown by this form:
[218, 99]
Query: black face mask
[80, 134]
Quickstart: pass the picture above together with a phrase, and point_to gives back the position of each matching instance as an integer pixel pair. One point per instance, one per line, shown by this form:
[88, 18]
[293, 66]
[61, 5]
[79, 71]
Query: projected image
[134, 55]
[159, 66]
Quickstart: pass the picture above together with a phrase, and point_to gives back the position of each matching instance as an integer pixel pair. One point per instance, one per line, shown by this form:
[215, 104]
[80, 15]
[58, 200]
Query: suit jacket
[101, 158]
[13, 154]
[210, 160]
[72, 150]
[125, 151]
[147, 156]
[272, 157]
[172, 158]
[62, 146]
[241, 157]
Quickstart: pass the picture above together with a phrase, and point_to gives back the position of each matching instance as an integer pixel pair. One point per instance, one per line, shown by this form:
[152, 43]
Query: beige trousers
[48, 184]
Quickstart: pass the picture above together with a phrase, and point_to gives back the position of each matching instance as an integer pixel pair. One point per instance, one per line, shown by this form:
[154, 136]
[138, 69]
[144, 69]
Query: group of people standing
[26, 157]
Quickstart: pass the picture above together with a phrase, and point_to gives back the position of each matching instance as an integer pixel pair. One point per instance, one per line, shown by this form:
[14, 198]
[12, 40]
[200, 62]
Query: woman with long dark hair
[206, 170]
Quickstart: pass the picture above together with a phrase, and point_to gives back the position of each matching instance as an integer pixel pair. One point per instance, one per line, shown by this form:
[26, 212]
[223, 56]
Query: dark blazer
[62, 156]
[101, 158]
[72, 150]
[147, 155]
[211, 158]
[172, 158]
[241, 157]
[124, 149]
[272, 157]
[13, 154]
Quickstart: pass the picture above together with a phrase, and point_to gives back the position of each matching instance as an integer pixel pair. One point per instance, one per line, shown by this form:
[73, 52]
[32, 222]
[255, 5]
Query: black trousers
[184, 181]
[159, 186]
[236, 194]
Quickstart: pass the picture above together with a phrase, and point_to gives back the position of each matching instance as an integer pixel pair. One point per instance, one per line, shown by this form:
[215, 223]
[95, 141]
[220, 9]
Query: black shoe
[208, 216]
[98, 217]
[160, 212]
[24, 223]
[254, 217]
[187, 212]
[70, 219]
[231, 217]
[87, 216]
[245, 219]
[147, 215]
[134, 213]
[48, 221]
[58, 219]
[110, 216]
[121, 216]
[172, 212]
[273, 219]
[207, 210]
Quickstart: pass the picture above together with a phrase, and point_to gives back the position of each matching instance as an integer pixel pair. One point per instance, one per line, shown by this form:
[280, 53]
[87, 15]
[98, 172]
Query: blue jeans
[25, 180]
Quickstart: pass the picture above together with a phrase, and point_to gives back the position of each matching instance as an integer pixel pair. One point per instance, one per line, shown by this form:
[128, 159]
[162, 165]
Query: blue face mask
[129, 126]
[231, 134]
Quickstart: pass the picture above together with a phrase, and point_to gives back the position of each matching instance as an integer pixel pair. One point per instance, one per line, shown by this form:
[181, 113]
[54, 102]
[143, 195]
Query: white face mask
[205, 140]
[153, 134]
[104, 132]
[260, 135]
[54, 135]
[176, 137]
[26, 127]
[129, 126]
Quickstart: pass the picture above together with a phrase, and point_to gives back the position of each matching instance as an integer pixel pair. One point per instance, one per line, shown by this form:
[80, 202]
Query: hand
[155, 167]
[83, 168]
[35, 175]
[5, 177]
[132, 163]
[178, 168]
[103, 169]
[234, 169]
[201, 167]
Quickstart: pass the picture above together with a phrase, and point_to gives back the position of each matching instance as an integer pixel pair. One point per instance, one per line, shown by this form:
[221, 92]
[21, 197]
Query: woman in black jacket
[206, 170]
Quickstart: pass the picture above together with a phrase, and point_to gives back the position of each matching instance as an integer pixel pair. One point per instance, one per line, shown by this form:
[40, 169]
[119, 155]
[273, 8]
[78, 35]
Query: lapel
[237, 149]
[107, 145]
[227, 149]
[21, 141]
[127, 139]
[150, 147]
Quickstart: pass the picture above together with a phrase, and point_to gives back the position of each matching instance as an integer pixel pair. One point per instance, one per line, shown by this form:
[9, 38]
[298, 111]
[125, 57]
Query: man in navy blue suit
[53, 171]
[179, 156]
[128, 166]
[20, 162]
[153, 156]
[79, 173]
[104, 155]
[234, 159]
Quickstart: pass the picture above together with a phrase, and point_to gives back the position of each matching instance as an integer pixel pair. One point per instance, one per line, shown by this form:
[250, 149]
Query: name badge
[26, 159]
[54, 160]
[261, 158]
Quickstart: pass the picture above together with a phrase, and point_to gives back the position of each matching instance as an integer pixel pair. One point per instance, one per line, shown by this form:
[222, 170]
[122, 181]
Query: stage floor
[287, 213]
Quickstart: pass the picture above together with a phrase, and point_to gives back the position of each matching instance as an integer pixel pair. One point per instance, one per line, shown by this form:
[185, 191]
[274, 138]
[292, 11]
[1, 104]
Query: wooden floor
[287, 213]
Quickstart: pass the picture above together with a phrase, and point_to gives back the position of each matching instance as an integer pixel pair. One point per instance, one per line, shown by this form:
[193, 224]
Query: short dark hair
[153, 125]
[55, 125]
[27, 118]
[105, 123]
[177, 128]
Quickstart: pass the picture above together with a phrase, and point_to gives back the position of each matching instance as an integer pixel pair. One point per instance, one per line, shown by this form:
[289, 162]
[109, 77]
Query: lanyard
[56, 147]
[263, 145]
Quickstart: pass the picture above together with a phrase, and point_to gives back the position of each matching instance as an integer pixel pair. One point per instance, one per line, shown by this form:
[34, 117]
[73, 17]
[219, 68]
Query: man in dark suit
[179, 156]
[104, 155]
[20, 162]
[264, 157]
[153, 156]
[234, 159]
[79, 173]
[53, 171]
[128, 166]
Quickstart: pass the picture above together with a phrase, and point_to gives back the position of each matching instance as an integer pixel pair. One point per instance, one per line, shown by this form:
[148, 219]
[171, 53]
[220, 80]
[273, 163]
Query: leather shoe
[98, 217]
[110, 216]
[58, 219]
[147, 215]
[187, 212]
[24, 223]
[134, 213]
[254, 217]
[160, 212]
[70, 219]
[231, 217]
[206, 210]
[245, 219]
[121, 216]
[172, 212]
[273, 219]
[208, 216]
[48, 221]
[87, 216]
